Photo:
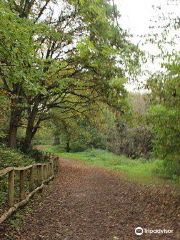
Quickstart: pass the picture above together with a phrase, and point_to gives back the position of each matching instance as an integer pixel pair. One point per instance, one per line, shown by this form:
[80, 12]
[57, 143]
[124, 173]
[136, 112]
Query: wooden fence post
[52, 168]
[54, 165]
[31, 180]
[40, 175]
[11, 188]
[47, 174]
[49, 170]
[44, 172]
[22, 185]
[57, 161]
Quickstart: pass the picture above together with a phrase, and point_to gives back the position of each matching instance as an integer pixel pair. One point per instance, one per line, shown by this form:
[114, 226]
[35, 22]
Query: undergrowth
[142, 170]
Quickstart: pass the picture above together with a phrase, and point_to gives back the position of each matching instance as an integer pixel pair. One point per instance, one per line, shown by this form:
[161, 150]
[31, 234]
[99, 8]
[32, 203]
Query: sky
[136, 16]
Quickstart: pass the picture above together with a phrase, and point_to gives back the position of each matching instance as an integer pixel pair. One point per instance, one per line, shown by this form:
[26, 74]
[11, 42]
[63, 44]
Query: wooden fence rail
[41, 173]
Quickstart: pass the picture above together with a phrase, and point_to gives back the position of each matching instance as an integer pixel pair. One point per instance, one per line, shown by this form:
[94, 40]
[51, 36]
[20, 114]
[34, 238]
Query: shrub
[36, 155]
[10, 158]
[134, 142]
[31, 152]
[166, 127]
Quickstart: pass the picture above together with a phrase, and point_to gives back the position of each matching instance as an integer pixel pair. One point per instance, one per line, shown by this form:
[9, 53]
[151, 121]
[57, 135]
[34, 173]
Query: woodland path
[91, 203]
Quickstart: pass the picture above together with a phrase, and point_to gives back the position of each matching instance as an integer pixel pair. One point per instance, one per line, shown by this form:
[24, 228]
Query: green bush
[36, 155]
[13, 158]
[31, 152]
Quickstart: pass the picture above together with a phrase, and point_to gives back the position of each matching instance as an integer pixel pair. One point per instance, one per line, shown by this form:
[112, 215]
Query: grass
[140, 170]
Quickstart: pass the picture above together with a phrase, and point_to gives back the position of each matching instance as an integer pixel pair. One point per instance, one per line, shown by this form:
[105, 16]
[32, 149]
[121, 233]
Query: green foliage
[15, 158]
[31, 153]
[164, 116]
[36, 155]
[91, 129]
[10, 158]
[17, 50]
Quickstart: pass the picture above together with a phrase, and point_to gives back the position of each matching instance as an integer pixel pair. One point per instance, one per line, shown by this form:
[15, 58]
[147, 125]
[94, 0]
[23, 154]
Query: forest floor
[93, 203]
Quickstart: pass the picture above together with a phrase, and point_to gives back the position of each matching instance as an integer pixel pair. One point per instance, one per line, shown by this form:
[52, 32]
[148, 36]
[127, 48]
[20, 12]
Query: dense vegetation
[62, 82]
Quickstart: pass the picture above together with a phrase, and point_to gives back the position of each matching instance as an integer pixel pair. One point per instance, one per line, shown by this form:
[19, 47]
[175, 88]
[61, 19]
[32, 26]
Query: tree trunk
[28, 137]
[14, 123]
[68, 146]
[13, 132]
[30, 128]
[56, 140]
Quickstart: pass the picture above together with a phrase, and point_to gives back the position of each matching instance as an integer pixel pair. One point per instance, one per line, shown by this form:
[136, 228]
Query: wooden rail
[41, 173]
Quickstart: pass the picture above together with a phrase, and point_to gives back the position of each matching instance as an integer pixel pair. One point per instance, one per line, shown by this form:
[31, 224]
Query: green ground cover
[141, 170]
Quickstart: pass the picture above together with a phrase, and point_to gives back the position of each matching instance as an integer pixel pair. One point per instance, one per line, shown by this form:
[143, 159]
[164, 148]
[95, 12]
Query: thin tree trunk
[68, 146]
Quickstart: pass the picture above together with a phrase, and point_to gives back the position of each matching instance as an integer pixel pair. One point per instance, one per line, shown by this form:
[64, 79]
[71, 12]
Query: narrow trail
[91, 203]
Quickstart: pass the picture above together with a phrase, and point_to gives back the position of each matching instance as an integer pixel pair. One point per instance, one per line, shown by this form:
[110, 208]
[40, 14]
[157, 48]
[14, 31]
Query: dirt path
[90, 203]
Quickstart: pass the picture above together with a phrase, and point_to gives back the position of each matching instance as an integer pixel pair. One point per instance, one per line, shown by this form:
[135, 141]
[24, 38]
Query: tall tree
[78, 59]
[17, 63]
[78, 55]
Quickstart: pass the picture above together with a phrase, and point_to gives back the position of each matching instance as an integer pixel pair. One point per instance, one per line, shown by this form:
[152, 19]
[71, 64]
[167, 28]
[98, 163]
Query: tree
[164, 114]
[164, 91]
[69, 60]
[15, 61]
[82, 74]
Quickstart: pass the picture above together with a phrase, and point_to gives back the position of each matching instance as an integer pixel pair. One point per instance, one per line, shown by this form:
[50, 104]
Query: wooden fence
[41, 173]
